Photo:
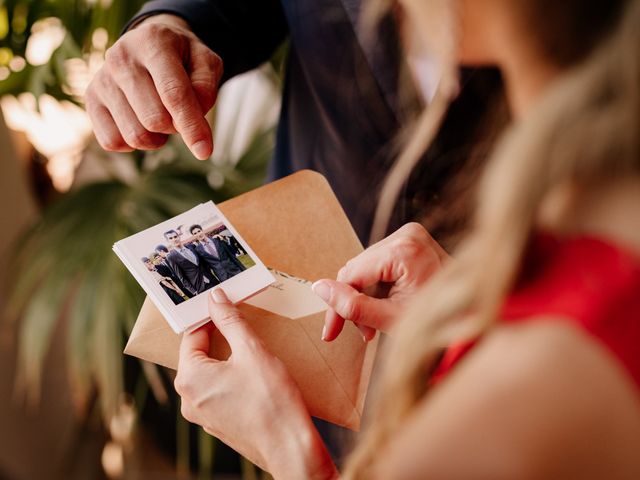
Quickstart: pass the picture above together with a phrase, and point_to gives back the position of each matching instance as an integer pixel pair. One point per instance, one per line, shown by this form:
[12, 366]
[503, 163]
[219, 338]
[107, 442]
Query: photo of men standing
[187, 265]
[216, 253]
[191, 262]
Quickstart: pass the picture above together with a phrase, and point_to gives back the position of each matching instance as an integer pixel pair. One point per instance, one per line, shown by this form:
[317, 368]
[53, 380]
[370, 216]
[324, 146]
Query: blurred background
[72, 405]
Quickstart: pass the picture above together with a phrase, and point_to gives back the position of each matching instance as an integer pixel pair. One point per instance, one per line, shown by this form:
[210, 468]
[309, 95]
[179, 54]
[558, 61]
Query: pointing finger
[179, 98]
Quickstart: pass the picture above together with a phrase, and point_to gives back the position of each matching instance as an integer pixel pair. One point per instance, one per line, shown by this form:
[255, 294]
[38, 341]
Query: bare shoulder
[609, 210]
[539, 399]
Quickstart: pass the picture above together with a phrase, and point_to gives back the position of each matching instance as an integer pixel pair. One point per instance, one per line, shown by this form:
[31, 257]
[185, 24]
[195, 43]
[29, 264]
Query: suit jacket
[235, 245]
[225, 265]
[193, 277]
[164, 270]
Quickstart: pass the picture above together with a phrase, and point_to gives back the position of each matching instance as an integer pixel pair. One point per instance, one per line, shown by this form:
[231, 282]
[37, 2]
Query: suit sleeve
[183, 279]
[231, 254]
[244, 33]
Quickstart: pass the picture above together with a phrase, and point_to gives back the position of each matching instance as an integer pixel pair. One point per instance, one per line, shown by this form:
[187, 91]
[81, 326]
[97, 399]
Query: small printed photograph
[181, 258]
[189, 260]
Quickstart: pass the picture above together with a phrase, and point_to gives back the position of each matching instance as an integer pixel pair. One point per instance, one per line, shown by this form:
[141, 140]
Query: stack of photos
[178, 260]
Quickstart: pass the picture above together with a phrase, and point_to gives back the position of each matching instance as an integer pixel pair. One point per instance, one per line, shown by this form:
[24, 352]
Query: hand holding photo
[179, 259]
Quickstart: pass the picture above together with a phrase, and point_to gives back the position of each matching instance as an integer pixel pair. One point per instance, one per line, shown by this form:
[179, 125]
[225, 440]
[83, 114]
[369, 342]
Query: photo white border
[194, 312]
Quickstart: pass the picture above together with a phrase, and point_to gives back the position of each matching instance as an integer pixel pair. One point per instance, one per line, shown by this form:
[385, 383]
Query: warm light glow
[60, 131]
[113, 460]
[46, 36]
[17, 64]
[122, 423]
[80, 72]
[100, 39]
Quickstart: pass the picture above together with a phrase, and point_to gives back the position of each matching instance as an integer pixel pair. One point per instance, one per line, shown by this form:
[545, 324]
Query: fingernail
[364, 338]
[201, 149]
[324, 334]
[322, 289]
[218, 296]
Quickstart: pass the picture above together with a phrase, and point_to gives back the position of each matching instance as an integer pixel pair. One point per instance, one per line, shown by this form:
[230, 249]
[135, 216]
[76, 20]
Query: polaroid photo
[178, 261]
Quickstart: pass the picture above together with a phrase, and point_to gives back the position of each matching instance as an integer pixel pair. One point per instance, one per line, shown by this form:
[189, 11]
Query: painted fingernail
[218, 296]
[322, 289]
[201, 150]
[324, 333]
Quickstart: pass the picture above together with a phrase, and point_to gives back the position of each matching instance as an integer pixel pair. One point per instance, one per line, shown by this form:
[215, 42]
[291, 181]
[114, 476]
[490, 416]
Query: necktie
[210, 247]
[188, 254]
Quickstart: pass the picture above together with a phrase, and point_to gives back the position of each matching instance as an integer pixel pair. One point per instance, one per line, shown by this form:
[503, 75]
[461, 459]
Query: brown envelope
[295, 225]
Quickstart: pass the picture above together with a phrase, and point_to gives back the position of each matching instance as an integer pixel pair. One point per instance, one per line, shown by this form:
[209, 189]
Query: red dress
[586, 281]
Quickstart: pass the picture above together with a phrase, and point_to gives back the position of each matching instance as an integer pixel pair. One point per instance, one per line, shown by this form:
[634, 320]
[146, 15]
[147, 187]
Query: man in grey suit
[187, 265]
[217, 254]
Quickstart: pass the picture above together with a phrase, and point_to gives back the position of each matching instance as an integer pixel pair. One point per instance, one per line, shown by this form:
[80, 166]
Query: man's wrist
[161, 18]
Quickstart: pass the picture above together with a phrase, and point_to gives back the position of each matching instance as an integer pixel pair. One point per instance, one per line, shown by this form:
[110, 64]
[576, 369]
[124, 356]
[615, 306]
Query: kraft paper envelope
[295, 225]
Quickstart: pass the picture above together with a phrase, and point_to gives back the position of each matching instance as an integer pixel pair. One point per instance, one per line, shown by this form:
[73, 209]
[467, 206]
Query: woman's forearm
[302, 455]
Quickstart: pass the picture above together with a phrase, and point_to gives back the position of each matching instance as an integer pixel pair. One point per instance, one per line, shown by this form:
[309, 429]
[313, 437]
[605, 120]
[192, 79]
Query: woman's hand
[373, 287]
[248, 401]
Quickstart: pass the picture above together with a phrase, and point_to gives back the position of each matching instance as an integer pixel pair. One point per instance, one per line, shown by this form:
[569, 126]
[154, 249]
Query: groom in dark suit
[187, 265]
[217, 254]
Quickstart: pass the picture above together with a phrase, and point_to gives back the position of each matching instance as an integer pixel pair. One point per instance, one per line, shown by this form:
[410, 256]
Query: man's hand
[372, 289]
[158, 79]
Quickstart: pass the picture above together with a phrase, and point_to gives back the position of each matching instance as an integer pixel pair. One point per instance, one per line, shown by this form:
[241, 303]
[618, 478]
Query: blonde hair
[584, 131]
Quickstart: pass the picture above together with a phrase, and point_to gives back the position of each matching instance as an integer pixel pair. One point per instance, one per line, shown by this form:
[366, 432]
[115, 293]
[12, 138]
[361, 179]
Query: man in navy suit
[233, 243]
[164, 269]
[167, 283]
[217, 254]
[187, 265]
